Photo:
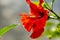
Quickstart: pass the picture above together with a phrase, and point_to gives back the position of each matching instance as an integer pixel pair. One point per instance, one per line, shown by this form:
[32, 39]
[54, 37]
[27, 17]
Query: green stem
[52, 18]
[53, 12]
[52, 6]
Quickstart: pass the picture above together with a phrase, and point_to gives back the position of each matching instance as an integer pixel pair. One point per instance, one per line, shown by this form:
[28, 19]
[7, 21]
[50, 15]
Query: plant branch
[53, 12]
[52, 18]
[52, 6]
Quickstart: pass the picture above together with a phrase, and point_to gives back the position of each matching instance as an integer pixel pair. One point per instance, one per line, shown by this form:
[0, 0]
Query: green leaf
[6, 29]
[52, 15]
[45, 4]
[50, 36]
[49, 24]
[36, 2]
[55, 33]
[53, 1]
[48, 27]
[58, 25]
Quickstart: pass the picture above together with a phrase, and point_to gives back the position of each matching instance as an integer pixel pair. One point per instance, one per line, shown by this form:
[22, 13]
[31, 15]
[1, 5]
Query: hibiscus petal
[28, 25]
[28, 1]
[40, 22]
[36, 33]
[33, 7]
[27, 22]
[35, 23]
[41, 1]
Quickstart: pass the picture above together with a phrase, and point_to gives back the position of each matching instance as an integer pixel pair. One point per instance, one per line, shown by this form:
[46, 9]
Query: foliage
[36, 2]
[6, 29]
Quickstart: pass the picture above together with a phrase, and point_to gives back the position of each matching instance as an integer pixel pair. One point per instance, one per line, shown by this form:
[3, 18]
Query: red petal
[41, 1]
[33, 7]
[28, 25]
[27, 22]
[40, 23]
[28, 1]
[37, 33]
[35, 23]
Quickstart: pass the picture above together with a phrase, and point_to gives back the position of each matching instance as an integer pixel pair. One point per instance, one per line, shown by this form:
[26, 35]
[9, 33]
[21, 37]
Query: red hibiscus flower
[36, 20]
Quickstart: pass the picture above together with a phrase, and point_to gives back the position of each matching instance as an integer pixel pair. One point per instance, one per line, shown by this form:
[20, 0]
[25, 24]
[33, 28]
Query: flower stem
[53, 12]
[52, 18]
